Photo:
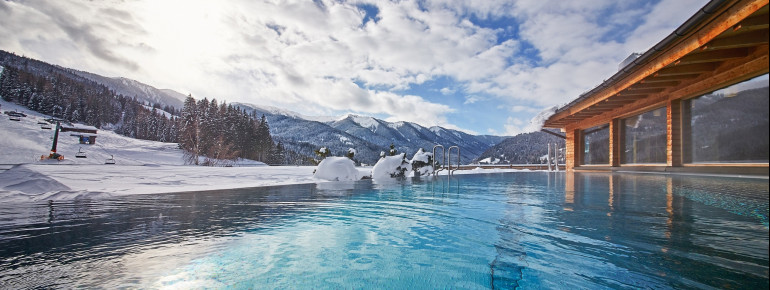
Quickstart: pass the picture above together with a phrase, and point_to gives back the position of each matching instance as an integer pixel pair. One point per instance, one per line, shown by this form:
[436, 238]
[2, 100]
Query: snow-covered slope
[24, 142]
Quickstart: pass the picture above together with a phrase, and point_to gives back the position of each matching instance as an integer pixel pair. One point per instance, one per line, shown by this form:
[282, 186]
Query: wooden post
[615, 150]
[573, 149]
[674, 133]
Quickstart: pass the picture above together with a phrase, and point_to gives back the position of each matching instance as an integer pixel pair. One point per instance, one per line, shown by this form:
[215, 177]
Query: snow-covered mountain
[127, 87]
[141, 91]
[368, 135]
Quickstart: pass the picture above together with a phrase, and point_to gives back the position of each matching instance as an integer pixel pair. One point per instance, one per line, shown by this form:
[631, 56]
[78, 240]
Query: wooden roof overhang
[724, 43]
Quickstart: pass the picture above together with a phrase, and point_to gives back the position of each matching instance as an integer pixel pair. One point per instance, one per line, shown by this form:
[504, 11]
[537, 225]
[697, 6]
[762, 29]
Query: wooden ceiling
[731, 47]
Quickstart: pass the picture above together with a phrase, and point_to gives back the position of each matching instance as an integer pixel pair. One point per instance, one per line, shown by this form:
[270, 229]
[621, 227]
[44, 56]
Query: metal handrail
[443, 159]
[449, 158]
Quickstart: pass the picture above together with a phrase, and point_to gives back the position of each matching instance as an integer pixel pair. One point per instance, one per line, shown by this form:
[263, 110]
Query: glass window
[645, 137]
[596, 145]
[729, 125]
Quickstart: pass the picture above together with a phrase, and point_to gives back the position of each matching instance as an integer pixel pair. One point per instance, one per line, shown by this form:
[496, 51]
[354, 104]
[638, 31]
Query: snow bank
[337, 169]
[391, 166]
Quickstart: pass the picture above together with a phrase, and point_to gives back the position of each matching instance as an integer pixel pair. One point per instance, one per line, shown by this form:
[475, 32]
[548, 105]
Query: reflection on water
[531, 230]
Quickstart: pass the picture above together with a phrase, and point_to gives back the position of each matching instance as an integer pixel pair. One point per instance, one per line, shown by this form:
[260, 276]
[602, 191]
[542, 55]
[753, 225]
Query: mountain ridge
[368, 135]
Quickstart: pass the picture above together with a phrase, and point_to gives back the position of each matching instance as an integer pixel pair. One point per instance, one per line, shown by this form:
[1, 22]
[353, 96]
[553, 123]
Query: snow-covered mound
[390, 167]
[421, 163]
[337, 169]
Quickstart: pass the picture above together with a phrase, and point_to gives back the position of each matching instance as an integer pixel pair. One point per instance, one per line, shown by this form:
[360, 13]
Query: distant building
[695, 102]
[86, 134]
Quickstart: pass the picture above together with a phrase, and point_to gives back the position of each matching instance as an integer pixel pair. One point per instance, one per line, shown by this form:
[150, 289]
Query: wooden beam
[633, 91]
[687, 69]
[715, 55]
[650, 85]
[751, 38]
[654, 79]
[622, 100]
[754, 22]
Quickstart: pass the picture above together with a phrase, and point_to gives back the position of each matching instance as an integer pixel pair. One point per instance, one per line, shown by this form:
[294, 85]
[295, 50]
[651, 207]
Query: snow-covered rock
[391, 166]
[337, 169]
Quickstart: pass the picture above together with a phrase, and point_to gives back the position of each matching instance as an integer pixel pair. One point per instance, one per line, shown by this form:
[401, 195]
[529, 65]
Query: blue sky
[485, 67]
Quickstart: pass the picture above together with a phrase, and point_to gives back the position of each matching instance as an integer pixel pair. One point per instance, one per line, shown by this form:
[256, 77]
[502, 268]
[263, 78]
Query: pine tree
[264, 141]
[189, 131]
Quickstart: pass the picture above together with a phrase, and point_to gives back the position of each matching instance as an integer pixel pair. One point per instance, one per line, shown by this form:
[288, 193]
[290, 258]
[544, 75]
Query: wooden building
[695, 102]
[85, 134]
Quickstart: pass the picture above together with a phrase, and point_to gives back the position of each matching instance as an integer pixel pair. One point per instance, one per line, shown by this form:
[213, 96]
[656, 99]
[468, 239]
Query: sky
[484, 67]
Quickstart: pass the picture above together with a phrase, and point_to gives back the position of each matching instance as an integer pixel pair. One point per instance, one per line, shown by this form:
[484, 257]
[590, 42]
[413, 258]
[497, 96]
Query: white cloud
[518, 109]
[316, 58]
[472, 99]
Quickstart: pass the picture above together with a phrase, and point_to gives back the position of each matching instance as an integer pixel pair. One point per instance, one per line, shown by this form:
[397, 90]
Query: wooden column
[674, 133]
[615, 150]
[572, 148]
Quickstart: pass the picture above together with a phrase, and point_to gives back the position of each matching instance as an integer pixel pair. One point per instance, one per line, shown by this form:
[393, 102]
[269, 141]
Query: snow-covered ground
[142, 167]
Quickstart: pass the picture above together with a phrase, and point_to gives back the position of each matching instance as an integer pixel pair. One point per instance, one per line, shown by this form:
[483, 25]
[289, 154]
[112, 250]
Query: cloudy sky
[486, 67]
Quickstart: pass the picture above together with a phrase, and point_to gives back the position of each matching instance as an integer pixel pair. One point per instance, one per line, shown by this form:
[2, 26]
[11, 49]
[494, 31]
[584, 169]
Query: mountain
[142, 92]
[367, 135]
[123, 86]
[524, 148]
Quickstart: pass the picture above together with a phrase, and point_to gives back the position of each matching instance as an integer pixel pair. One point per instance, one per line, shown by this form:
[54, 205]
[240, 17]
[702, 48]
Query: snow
[421, 155]
[366, 122]
[396, 125]
[537, 122]
[425, 157]
[142, 167]
[337, 169]
[390, 166]
[489, 160]
[165, 114]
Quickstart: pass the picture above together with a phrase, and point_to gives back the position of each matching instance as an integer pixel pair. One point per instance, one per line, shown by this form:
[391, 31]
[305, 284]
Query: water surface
[529, 230]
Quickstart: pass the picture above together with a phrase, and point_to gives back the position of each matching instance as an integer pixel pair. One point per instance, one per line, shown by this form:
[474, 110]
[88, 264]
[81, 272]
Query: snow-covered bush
[351, 152]
[393, 150]
[322, 152]
[337, 169]
[391, 167]
[422, 163]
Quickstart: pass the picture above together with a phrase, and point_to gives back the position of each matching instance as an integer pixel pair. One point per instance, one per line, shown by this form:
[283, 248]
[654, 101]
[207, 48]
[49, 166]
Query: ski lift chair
[110, 160]
[46, 126]
[14, 118]
[80, 154]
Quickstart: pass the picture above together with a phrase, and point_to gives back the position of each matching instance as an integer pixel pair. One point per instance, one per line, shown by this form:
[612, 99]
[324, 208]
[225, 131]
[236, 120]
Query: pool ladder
[446, 155]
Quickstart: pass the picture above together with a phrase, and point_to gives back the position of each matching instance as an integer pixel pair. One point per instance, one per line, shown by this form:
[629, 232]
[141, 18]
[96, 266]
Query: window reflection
[596, 145]
[729, 125]
[645, 137]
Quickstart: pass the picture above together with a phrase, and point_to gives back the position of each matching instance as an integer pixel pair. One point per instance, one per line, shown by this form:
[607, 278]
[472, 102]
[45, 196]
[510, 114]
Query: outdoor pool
[528, 230]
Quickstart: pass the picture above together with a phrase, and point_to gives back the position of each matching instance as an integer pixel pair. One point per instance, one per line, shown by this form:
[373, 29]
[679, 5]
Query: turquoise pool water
[527, 230]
